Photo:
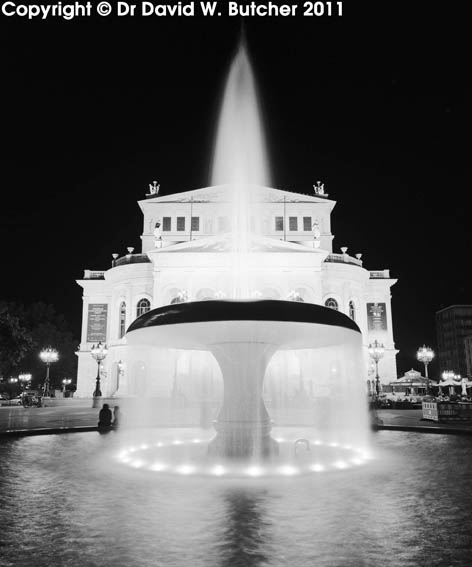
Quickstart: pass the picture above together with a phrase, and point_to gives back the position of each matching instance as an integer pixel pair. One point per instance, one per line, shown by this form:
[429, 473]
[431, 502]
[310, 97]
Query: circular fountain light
[255, 471]
[288, 470]
[158, 467]
[172, 456]
[185, 469]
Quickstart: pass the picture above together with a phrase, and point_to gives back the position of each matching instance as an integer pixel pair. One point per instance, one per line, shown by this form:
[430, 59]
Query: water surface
[66, 502]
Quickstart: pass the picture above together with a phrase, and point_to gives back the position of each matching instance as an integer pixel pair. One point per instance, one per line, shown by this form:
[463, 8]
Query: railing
[380, 274]
[132, 259]
[343, 259]
[94, 275]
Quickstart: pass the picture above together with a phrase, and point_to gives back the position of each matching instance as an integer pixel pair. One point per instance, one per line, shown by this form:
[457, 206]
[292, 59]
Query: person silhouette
[104, 417]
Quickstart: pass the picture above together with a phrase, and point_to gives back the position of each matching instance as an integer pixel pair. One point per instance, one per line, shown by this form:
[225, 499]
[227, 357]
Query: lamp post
[376, 352]
[65, 383]
[425, 355]
[48, 356]
[98, 352]
[24, 379]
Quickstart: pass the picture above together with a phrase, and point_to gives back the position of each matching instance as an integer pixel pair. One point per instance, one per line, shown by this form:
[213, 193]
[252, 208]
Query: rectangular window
[166, 223]
[195, 224]
[279, 223]
[293, 223]
[180, 224]
[306, 223]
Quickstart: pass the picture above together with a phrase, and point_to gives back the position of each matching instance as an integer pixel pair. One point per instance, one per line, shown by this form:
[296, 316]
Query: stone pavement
[412, 420]
[78, 414]
[75, 414]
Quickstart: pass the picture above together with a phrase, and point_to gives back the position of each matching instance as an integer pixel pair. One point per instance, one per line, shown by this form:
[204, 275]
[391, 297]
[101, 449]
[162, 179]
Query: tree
[16, 340]
[49, 328]
[25, 331]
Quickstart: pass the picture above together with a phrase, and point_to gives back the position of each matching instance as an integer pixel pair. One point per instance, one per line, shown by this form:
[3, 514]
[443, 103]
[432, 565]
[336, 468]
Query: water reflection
[246, 534]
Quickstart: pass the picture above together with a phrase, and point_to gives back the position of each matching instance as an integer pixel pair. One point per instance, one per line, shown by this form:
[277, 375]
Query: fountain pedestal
[243, 425]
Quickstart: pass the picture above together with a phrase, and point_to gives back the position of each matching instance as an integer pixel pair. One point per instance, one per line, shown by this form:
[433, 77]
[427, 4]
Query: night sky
[375, 104]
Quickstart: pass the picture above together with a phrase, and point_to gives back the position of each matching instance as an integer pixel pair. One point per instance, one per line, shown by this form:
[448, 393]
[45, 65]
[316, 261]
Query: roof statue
[319, 189]
[154, 188]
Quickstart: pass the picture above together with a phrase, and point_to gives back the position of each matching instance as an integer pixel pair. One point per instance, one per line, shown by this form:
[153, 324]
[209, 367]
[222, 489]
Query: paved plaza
[80, 414]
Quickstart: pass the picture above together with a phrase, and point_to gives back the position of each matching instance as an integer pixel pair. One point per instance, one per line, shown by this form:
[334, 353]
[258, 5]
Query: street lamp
[376, 352]
[24, 379]
[425, 355]
[65, 383]
[98, 352]
[48, 356]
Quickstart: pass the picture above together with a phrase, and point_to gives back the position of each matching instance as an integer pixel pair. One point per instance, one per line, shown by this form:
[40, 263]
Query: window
[122, 320]
[352, 310]
[195, 223]
[293, 223]
[279, 223]
[307, 224]
[166, 224]
[180, 224]
[332, 304]
[142, 307]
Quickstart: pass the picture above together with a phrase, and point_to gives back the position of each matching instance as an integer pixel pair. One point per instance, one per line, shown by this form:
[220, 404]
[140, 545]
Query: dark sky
[375, 104]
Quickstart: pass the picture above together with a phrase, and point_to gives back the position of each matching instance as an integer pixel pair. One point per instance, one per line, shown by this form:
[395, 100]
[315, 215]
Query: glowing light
[317, 442]
[185, 469]
[334, 445]
[317, 468]
[218, 470]
[357, 461]
[287, 470]
[144, 446]
[158, 467]
[340, 465]
[255, 471]
[177, 442]
[137, 464]
[279, 439]
[196, 440]
[159, 444]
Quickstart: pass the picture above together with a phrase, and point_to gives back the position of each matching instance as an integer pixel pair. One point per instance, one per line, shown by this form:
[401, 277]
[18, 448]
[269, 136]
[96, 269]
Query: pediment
[223, 193]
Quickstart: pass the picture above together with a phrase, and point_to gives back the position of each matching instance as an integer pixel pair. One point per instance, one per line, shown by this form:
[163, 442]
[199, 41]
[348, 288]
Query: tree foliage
[15, 339]
[35, 327]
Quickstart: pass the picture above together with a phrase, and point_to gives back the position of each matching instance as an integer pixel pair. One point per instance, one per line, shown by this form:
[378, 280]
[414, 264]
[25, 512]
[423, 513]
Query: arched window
[143, 306]
[122, 320]
[332, 304]
[352, 310]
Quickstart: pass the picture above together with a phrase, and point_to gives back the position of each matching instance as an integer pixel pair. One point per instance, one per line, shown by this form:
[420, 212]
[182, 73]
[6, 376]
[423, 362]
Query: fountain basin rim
[270, 310]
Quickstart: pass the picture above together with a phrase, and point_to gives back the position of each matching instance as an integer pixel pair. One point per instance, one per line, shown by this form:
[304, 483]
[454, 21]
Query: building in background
[454, 332]
[186, 256]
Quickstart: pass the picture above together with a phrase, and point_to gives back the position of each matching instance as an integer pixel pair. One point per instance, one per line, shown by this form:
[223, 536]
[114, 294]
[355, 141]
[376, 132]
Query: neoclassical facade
[188, 255]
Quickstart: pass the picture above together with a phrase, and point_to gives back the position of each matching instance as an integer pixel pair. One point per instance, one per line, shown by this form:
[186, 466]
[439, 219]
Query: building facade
[188, 255]
[454, 334]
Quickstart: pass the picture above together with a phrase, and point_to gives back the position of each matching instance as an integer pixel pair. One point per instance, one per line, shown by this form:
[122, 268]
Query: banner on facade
[376, 316]
[97, 322]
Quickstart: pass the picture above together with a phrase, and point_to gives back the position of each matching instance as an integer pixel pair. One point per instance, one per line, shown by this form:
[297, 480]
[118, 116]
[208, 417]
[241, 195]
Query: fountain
[243, 335]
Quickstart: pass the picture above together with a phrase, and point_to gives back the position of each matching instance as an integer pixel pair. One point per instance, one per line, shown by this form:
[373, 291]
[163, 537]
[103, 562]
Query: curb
[423, 429]
[47, 431]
